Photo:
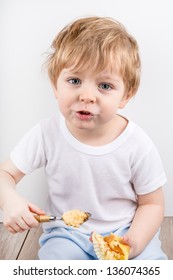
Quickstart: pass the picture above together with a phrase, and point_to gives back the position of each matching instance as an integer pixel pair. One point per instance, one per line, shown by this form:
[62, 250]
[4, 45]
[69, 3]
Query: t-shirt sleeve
[29, 153]
[148, 174]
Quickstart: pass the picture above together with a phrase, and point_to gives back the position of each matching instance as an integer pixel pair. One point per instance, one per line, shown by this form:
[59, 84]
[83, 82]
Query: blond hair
[96, 43]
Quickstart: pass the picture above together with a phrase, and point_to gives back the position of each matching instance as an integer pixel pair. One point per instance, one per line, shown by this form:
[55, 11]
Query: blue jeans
[69, 244]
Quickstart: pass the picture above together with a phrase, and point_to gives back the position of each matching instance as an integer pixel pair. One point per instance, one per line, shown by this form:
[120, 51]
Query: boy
[95, 159]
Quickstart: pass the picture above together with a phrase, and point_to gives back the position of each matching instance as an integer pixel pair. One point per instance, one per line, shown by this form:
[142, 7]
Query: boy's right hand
[18, 214]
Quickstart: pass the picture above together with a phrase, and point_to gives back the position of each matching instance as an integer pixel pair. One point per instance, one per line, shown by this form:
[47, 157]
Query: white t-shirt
[102, 180]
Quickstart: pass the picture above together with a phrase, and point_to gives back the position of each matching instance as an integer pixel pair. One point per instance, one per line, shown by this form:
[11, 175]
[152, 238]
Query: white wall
[27, 28]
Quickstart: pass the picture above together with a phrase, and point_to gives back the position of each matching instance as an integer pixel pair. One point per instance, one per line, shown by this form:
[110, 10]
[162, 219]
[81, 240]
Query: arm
[17, 215]
[146, 222]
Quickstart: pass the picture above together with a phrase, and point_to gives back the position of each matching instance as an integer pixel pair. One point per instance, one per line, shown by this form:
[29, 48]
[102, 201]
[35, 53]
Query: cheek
[111, 106]
[64, 101]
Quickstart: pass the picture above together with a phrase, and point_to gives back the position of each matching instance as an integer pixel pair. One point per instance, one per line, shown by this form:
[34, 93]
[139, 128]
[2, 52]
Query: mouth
[84, 115]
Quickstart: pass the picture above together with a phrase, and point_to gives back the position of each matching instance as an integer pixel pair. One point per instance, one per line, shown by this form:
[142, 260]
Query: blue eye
[105, 86]
[74, 81]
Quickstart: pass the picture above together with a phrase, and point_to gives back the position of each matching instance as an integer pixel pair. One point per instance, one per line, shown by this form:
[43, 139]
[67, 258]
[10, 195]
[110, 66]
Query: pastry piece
[75, 217]
[110, 247]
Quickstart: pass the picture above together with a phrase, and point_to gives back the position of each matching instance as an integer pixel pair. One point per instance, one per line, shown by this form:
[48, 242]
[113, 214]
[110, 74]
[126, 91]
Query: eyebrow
[71, 72]
[102, 76]
[111, 78]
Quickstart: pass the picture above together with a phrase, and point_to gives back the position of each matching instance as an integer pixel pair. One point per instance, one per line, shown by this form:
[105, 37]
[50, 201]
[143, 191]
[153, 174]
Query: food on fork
[75, 217]
[110, 247]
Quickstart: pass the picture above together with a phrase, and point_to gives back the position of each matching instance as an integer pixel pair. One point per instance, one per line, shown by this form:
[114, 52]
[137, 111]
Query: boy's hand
[18, 214]
[132, 243]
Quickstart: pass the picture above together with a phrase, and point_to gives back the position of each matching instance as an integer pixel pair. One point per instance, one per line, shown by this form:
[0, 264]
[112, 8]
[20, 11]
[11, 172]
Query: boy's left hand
[132, 243]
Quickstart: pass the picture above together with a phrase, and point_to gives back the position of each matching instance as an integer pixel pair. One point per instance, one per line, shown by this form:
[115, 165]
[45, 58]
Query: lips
[84, 115]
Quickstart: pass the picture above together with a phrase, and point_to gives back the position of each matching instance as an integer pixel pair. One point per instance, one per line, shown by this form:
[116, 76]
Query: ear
[125, 100]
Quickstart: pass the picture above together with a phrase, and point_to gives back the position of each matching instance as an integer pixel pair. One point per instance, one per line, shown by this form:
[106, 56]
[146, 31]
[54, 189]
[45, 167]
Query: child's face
[90, 100]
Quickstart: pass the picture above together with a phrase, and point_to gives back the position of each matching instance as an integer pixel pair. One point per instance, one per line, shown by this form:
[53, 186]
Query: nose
[87, 97]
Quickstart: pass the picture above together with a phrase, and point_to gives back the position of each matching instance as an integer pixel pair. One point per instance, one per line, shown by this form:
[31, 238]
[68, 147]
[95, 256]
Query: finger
[16, 224]
[22, 224]
[11, 230]
[125, 240]
[14, 228]
[30, 221]
[35, 209]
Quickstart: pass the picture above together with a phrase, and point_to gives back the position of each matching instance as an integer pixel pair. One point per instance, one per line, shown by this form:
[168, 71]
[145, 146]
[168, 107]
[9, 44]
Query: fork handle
[44, 218]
